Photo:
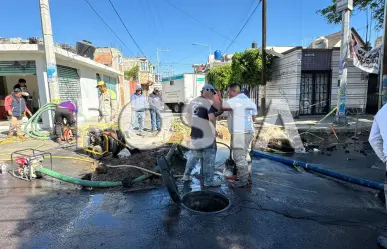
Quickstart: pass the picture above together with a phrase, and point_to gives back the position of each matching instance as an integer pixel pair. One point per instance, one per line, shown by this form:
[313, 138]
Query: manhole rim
[207, 191]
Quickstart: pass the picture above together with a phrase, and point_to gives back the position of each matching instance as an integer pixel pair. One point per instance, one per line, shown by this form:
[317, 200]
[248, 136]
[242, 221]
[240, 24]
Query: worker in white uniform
[378, 141]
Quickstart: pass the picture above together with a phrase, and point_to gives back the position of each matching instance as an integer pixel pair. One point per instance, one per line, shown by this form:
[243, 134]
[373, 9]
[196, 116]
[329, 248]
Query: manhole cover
[202, 202]
[205, 202]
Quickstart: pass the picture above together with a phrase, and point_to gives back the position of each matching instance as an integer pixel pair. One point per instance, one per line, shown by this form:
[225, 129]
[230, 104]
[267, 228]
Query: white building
[77, 77]
[307, 78]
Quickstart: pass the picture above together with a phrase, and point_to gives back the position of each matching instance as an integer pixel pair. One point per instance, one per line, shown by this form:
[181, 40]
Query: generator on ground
[99, 142]
[29, 162]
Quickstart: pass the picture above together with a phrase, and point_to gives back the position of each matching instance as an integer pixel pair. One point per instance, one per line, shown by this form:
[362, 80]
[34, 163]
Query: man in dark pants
[201, 117]
[65, 110]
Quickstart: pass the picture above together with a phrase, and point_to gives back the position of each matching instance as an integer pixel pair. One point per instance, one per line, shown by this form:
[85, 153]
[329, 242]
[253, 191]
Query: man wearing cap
[242, 113]
[22, 85]
[138, 104]
[107, 103]
[155, 106]
[16, 106]
[65, 110]
[201, 117]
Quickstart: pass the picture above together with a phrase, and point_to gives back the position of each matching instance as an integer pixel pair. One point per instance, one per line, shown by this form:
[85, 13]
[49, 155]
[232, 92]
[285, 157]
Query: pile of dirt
[181, 131]
[275, 138]
[222, 131]
[146, 159]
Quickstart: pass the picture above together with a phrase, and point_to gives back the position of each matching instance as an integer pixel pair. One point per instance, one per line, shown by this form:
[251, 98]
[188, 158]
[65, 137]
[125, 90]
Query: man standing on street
[155, 106]
[139, 105]
[22, 85]
[242, 113]
[107, 103]
[16, 106]
[378, 141]
[201, 118]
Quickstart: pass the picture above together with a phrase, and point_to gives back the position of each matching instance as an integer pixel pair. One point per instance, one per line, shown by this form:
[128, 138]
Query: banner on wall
[368, 61]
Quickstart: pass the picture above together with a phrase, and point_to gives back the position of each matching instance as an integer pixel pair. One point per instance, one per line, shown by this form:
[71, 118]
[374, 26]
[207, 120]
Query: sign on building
[368, 61]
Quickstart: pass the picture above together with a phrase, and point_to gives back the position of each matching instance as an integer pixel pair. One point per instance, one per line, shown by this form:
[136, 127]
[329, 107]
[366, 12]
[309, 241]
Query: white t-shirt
[240, 117]
[378, 134]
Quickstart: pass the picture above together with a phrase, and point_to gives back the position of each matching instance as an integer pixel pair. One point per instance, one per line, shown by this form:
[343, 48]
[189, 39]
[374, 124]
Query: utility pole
[262, 87]
[52, 75]
[158, 63]
[384, 63]
[345, 7]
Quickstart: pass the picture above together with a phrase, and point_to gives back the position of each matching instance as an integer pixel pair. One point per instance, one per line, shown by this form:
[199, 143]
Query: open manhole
[205, 202]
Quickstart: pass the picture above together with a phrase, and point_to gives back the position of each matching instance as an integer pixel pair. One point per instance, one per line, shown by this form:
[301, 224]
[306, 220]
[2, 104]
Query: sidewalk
[314, 123]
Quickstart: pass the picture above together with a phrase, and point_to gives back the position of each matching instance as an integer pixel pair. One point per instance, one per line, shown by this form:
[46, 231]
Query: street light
[204, 45]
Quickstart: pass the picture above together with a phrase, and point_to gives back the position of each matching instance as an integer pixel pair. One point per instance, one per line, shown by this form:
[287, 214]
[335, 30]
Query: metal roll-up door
[17, 68]
[69, 86]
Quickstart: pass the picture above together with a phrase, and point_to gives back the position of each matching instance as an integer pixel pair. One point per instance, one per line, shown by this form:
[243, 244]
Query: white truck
[179, 90]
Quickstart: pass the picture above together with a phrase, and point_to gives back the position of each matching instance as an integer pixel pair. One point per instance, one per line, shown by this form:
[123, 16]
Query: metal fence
[254, 93]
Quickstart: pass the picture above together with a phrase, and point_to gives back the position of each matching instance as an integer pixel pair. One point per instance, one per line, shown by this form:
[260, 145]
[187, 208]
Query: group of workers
[139, 104]
[16, 107]
[201, 116]
[65, 112]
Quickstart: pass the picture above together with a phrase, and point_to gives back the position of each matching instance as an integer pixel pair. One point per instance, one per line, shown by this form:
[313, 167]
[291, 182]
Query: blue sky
[156, 24]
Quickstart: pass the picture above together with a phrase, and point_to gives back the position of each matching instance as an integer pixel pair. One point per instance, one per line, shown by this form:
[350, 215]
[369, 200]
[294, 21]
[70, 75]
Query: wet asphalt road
[284, 209]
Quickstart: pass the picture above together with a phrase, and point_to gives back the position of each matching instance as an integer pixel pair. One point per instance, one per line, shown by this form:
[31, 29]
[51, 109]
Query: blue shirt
[240, 117]
[138, 102]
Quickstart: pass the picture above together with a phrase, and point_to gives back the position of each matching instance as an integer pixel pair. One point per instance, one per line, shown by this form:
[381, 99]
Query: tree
[376, 6]
[246, 67]
[219, 76]
[132, 74]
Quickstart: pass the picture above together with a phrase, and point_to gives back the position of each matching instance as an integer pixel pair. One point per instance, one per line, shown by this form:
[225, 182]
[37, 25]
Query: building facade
[77, 77]
[145, 76]
[307, 79]
[112, 57]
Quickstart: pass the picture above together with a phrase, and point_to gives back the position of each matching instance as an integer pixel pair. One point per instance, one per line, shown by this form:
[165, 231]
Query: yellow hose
[58, 157]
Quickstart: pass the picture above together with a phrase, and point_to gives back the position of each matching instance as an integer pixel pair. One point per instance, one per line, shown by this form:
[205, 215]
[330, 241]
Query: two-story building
[145, 75]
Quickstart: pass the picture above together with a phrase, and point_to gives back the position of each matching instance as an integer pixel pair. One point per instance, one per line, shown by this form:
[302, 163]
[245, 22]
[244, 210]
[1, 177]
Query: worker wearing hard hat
[138, 105]
[107, 103]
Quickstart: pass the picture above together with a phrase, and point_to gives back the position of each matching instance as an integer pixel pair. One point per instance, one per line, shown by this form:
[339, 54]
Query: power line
[244, 14]
[126, 28]
[107, 25]
[244, 25]
[197, 20]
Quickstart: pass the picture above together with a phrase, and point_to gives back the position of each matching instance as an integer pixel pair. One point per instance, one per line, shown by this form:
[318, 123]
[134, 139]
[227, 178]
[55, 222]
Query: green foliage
[132, 74]
[219, 76]
[246, 67]
[376, 6]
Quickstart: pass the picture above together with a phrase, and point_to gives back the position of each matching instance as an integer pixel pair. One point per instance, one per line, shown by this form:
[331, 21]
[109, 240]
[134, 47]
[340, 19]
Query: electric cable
[126, 28]
[198, 21]
[244, 25]
[107, 25]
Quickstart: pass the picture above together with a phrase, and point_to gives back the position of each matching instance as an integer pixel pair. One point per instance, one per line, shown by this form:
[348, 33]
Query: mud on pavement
[145, 159]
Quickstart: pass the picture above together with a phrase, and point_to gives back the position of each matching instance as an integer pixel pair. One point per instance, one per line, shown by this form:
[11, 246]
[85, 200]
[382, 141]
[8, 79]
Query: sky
[156, 24]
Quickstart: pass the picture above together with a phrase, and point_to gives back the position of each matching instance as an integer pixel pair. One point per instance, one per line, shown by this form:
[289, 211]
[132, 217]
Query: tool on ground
[100, 142]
